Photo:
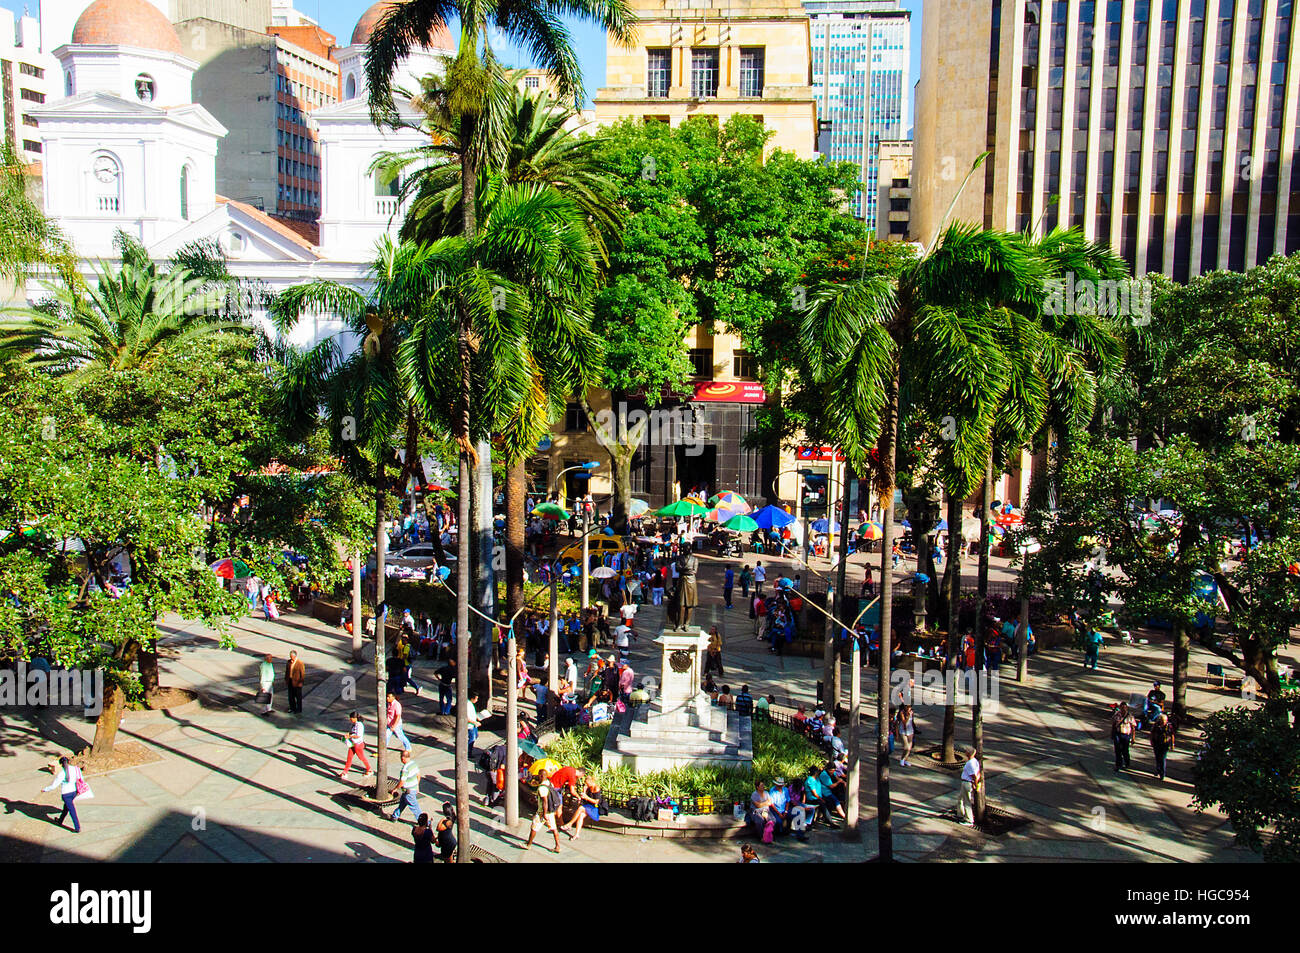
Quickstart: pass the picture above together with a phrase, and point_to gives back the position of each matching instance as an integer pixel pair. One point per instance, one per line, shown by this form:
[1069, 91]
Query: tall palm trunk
[952, 621]
[516, 492]
[977, 711]
[469, 190]
[484, 577]
[884, 816]
[381, 624]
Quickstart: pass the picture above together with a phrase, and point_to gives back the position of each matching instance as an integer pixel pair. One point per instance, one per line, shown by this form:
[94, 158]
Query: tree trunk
[469, 199]
[381, 532]
[381, 706]
[516, 492]
[356, 606]
[952, 616]
[977, 711]
[884, 815]
[512, 730]
[110, 718]
[463, 543]
[1182, 651]
[485, 579]
[1022, 638]
[147, 660]
[621, 444]
[553, 642]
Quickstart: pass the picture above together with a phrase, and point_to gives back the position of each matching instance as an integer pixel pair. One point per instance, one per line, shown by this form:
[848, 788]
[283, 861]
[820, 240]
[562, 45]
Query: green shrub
[777, 751]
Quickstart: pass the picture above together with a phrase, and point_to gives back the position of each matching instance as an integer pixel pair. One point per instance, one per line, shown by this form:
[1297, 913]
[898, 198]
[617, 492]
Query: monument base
[682, 726]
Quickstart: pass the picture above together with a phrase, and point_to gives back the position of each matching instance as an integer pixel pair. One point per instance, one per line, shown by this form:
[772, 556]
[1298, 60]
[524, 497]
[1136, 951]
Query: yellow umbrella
[535, 769]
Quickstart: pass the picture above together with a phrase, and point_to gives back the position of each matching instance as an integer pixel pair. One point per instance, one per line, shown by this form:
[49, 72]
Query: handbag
[83, 789]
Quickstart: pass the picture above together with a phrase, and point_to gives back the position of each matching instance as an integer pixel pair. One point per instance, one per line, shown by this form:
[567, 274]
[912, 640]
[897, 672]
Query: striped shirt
[410, 776]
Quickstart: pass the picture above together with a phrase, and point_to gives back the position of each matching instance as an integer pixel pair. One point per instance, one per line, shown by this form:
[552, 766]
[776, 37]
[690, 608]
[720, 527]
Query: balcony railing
[385, 205]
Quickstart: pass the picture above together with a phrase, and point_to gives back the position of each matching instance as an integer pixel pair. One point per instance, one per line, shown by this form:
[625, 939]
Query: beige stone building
[695, 58]
[1165, 129]
[894, 190]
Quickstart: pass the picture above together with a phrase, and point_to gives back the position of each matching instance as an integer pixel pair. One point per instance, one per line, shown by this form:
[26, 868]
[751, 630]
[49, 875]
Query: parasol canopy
[740, 524]
[551, 511]
[770, 517]
[231, 569]
[685, 507]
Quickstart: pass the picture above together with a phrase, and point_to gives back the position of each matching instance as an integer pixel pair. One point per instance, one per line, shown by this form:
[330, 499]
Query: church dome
[135, 23]
[440, 40]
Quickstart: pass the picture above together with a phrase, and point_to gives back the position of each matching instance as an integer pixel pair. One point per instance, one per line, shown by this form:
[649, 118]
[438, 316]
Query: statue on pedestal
[686, 596]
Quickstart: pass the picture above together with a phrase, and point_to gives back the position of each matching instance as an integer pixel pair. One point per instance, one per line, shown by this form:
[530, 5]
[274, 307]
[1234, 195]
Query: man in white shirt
[266, 681]
[628, 612]
[473, 719]
[408, 783]
[760, 577]
[970, 780]
[622, 635]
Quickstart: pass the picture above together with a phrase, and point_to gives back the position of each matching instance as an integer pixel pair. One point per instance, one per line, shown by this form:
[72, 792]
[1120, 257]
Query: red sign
[819, 454]
[736, 392]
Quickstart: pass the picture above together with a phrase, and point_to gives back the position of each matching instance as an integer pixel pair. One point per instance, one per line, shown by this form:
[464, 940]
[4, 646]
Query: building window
[32, 96]
[532, 82]
[751, 70]
[185, 192]
[743, 365]
[144, 90]
[658, 70]
[704, 73]
[701, 359]
[31, 146]
[350, 88]
[107, 182]
[575, 418]
[67, 83]
[30, 70]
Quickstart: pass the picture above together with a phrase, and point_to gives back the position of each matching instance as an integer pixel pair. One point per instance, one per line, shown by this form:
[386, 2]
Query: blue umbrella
[943, 525]
[906, 524]
[822, 525]
[785, 582]
[771, 517]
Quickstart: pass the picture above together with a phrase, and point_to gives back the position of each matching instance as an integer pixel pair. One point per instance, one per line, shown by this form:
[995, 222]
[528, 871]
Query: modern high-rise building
[715, 58]
[26, 67]
[1166, 128]
[263, 87]
[860, 57]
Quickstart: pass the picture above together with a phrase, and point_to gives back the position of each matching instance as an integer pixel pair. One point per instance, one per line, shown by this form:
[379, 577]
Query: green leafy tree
[1249, 767]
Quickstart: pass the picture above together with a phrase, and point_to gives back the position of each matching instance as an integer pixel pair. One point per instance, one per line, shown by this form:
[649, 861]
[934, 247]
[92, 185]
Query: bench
[1216, 671]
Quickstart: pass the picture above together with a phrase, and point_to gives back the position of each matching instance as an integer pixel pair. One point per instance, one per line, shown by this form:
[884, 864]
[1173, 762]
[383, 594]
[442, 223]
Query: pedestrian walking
[713, 657]
[422, 835]
[728, 585]
[356, 742]
[447, 834]
[72, 785]
[266, 681]
[1162, 739]
[473, 719]
[295, 672]
[544, 817]
[1122, 726]
[395, 723]
[407, 787]
[746, 577]
[970, 780]
[446, 686]
[1091, 647]
[905, 732]
[760, 577]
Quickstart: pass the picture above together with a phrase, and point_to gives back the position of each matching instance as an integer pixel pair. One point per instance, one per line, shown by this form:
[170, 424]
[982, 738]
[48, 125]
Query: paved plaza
[228, 784]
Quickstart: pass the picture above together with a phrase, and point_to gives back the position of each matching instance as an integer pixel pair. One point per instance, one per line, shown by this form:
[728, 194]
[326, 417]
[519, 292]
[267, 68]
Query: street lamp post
[588, 467]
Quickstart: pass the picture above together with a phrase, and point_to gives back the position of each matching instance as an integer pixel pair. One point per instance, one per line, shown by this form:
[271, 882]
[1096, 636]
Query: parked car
[596, 546]
[420, 556]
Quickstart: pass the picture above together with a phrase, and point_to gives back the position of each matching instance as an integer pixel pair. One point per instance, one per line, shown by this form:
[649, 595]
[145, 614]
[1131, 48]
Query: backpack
[642, 808]
[554, 799]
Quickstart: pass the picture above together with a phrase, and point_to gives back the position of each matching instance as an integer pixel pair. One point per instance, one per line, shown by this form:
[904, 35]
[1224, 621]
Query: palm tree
[474, 358]
[28, 239]
[471, 78]
[132, 315]
[923, 330]
[365, 393]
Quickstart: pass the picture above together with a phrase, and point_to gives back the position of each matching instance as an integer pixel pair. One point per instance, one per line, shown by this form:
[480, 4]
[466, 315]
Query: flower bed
[778, 751]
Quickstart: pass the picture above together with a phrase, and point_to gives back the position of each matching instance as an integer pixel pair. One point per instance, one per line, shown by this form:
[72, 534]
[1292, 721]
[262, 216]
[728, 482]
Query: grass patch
[777, 752]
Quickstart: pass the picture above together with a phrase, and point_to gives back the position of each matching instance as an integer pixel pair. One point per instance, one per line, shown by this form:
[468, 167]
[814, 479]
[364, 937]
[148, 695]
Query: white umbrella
[602, 572]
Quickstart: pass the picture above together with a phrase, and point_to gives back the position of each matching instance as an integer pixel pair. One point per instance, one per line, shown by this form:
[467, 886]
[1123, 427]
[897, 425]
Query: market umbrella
[433, 488]
[872, 530]
[823, 524]
[740, 524]
[638, 508]
[683, 508]
[551, 511]
[231, 569]
[696, 500]
[603, 572]
[731, 501]
[771, 517]
[531, 748]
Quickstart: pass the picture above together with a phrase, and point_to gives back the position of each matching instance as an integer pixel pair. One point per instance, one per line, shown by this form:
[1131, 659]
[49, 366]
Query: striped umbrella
[638, 508]
[872, 530]
[231, 569]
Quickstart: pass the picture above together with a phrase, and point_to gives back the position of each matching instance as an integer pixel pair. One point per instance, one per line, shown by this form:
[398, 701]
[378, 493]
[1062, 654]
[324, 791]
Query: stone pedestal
[682, 726]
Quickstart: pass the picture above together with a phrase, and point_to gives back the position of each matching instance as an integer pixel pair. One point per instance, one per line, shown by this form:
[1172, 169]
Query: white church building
[126, 148]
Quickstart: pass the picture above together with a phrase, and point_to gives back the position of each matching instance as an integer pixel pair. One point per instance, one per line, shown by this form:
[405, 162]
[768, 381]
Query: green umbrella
[740, 524]
[553, 510]
[531, 748]
[682, 508]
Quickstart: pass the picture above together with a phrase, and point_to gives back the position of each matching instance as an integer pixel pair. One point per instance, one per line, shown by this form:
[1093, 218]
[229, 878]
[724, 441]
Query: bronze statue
[687, 594]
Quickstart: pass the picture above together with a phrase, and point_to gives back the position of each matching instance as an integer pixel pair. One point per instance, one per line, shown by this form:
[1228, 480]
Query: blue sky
[340, 16]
